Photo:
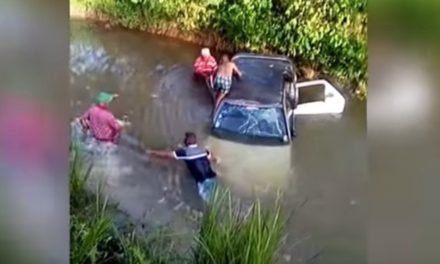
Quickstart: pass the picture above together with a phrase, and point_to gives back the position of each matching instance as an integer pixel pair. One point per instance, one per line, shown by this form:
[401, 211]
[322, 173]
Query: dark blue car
[259, 107]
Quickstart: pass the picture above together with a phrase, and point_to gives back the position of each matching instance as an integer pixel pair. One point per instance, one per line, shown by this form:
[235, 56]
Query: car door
[328, 100]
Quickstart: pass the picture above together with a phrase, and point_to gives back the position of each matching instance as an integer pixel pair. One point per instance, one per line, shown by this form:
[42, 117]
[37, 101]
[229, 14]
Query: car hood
[249, 168]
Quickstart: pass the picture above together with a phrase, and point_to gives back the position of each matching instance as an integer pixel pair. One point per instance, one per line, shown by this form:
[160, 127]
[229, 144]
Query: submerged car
[260, 106]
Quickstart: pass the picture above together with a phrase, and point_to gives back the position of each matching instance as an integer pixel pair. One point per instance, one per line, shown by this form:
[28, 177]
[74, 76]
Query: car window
[252, 121]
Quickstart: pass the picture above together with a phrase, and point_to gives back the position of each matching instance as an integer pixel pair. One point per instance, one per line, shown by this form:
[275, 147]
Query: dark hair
[227, 56]
[190, 138]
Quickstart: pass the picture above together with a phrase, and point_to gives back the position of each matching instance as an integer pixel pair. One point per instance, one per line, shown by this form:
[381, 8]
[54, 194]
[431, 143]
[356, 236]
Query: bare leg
[211, 81]
[219, 98]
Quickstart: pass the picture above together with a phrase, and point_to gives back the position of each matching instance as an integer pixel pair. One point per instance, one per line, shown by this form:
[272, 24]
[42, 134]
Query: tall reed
[228, 236]
[90, 224]
[93, 235]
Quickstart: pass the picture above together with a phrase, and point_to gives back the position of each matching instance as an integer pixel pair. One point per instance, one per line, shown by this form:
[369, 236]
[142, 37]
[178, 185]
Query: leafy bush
[328, 35]
[247, 24]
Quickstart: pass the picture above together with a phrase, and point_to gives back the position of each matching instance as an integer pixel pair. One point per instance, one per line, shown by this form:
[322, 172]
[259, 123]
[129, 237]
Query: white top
[205, 52]
[334, 102]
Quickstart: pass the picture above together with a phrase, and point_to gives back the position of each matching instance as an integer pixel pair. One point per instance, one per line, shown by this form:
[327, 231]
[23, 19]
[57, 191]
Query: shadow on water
[153, 76]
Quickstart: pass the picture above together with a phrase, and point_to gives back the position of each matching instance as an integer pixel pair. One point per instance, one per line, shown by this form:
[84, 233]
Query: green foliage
[93, 236]
[329, 35]
[228, 237]
[246, 23]
[90, 225]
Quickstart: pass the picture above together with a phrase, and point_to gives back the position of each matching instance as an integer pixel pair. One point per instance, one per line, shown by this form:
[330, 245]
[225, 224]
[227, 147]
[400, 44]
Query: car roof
[262, 81]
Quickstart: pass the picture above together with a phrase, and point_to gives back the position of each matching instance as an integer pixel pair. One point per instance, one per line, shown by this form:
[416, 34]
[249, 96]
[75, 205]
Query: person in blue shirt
[198, 161]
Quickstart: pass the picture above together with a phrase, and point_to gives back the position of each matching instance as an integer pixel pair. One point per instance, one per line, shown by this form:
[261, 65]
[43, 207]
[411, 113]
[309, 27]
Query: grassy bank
[225, 236]
[323, 36]
[94, 237]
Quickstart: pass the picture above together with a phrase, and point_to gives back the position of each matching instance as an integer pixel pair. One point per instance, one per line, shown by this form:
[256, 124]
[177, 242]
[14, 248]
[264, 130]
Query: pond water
[322, 174]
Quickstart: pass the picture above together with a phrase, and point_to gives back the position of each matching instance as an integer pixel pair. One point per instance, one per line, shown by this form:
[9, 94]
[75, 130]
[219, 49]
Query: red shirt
[102, 123]
[204, 65]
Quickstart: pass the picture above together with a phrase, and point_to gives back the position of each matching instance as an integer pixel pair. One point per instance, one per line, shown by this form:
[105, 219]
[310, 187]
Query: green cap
[104, 98]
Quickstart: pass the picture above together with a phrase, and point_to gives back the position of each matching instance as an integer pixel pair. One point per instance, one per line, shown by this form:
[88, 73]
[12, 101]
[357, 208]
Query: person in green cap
[103, 126]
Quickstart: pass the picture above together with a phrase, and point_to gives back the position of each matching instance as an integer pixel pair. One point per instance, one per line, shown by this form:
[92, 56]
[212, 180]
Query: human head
[225, 57]
[205, 52]
[190, 139]
[104, 98]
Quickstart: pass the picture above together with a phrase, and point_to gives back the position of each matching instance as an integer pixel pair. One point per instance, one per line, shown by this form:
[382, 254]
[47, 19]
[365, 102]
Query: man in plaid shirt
[103, 126]
[205, 66]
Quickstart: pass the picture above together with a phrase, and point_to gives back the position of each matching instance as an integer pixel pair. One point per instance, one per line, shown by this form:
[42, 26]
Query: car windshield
[252, 121]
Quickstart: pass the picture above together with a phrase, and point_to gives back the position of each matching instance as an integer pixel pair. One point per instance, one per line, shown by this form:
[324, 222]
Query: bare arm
[197, 63]
[163, 154]
[84, 120]
[115, 124]
[236, 70]
[213, 158]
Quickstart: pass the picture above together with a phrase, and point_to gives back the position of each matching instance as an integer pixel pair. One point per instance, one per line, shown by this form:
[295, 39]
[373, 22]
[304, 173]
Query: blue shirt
[197, 161]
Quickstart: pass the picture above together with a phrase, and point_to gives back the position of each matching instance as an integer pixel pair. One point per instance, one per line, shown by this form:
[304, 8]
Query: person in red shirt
[103, 126]
[205, 66]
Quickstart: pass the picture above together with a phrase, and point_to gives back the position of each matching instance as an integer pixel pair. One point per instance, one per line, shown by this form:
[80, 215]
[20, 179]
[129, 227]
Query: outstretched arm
[163, 154]
[84, 120]
[116, 128]
[212, 158]
[213, 63]
[237, 71]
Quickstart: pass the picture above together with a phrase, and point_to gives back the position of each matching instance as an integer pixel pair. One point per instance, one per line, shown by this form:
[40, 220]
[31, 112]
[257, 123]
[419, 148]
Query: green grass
[93, 235]
[226, 235]
[90, 224]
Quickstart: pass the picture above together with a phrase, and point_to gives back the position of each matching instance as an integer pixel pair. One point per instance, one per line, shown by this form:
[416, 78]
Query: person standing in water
[223, 80]
[102, 124]
[205, 66]
[197, 160]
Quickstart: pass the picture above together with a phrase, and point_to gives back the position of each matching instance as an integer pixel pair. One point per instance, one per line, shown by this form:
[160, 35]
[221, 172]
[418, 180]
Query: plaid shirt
[205, 66]
[102, 123]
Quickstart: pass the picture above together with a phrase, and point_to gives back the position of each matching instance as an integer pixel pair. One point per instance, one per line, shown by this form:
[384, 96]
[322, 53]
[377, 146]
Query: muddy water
[323, 174]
